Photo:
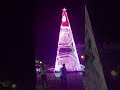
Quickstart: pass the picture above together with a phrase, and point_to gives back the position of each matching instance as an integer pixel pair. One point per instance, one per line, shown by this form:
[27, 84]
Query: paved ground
[74, 82]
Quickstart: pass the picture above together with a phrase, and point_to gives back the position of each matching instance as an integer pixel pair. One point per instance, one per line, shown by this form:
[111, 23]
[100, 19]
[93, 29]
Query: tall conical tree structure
[94, 78]
[66, 52]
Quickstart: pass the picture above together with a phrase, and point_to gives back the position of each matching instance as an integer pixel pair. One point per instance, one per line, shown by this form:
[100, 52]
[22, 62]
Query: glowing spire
[65, 21]
[66, 52]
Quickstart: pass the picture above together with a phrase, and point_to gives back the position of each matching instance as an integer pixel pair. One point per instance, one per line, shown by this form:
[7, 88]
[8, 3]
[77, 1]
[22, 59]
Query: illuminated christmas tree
[66, 52]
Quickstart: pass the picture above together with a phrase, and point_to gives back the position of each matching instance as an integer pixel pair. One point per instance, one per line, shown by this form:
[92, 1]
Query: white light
[82, 57]
[57, 74]
[13, 85]
[40, 61]
[63, 19]
[114, 73]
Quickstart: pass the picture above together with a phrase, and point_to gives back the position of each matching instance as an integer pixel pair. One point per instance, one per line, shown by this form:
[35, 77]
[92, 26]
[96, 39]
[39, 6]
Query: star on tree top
[64, 9]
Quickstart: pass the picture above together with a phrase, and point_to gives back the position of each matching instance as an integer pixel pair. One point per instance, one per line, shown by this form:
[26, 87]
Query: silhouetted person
[43, 76]
[64, 77]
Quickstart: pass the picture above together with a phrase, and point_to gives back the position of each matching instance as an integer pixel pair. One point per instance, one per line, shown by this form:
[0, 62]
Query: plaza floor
[74, 82]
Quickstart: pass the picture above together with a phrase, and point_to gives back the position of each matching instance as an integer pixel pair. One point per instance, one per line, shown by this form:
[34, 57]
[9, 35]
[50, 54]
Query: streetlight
[114, 73]
[82, 57]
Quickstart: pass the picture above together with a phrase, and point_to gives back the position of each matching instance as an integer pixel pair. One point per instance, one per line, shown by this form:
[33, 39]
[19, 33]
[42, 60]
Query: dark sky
[105, 19]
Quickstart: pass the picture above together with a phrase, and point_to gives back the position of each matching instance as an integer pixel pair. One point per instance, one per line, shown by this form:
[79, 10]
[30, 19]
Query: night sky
[105, 19]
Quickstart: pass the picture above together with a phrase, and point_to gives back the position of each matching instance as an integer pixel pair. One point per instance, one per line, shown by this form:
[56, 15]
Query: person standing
[43, 76]
[64, 77]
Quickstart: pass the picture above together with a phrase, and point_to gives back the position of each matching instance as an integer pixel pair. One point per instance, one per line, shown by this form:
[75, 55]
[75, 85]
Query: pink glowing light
[66, 52]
